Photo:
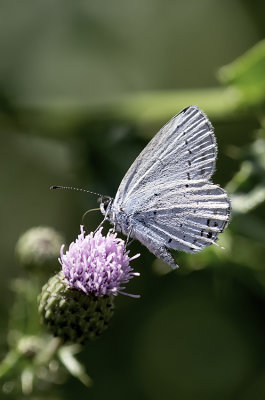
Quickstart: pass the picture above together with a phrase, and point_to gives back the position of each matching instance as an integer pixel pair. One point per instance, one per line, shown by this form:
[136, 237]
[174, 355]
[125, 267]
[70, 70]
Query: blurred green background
[83, 86]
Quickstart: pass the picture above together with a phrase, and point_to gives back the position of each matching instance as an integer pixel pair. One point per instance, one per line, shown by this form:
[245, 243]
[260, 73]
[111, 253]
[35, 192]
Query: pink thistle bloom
[98, 265]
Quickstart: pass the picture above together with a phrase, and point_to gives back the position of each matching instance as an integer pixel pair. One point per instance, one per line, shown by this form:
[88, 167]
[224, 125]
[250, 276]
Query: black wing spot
[202, 232]
[156, 194]
[186, 186]
[154, 212]
[184, 110]
[186, 142]
[209, 235]
[188, 174]
[208, 222]
[189, 163]
[169, 240]
[189, 151]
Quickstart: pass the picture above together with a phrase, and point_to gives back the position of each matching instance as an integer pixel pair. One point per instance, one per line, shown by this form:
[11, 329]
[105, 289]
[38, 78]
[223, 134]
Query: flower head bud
[71, 314]
[38, 248]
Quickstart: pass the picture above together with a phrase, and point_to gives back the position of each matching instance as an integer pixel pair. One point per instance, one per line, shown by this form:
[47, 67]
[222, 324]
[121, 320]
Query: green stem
[9, 362]
[60, 117]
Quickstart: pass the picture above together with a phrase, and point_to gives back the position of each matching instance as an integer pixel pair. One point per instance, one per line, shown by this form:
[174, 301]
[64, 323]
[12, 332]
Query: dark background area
[83, 86]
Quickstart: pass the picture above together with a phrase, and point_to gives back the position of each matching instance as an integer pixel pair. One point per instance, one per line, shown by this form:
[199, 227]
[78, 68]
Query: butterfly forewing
[185, 148]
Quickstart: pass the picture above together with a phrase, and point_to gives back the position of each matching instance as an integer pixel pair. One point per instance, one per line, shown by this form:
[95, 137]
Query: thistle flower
[97, 264]
[77, 303]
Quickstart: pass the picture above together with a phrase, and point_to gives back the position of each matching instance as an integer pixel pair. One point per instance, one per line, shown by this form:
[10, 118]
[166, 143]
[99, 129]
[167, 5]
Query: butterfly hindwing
[183, 218]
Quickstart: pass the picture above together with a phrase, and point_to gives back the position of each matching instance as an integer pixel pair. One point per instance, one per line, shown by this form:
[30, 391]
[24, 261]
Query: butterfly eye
[104, 203]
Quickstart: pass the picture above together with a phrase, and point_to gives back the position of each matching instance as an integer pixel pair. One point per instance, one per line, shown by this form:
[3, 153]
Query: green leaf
[74, 367]
[247, 74]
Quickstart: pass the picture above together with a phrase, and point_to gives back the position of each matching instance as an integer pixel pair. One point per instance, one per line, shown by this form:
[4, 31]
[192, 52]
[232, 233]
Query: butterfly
[166, 200]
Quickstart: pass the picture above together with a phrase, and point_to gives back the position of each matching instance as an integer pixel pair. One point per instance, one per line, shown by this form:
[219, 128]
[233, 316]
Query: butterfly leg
[100, 225]
[113, 229]
[128, 241]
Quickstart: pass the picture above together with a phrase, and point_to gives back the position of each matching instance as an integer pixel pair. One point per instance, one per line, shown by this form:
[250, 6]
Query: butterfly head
[105, 204]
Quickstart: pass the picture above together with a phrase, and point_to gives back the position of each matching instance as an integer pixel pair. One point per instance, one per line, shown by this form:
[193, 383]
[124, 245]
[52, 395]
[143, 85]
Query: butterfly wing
[186, 216]
[166, 200]
[185, 148]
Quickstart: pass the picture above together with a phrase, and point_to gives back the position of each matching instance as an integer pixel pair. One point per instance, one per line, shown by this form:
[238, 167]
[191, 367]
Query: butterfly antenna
[74, 188]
